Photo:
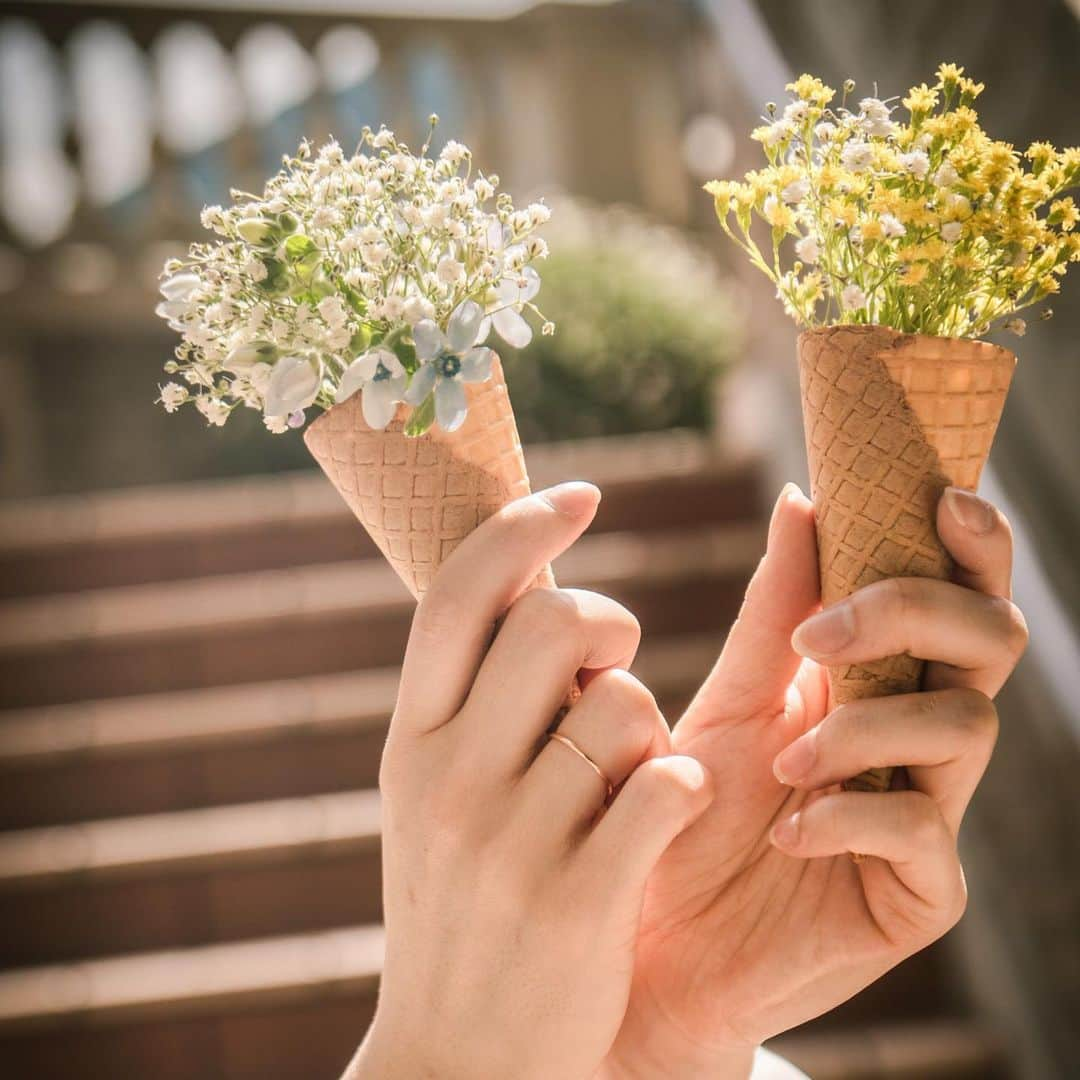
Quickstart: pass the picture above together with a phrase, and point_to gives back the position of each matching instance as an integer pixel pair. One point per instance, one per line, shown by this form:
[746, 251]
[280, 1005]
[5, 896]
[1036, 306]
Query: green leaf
[299, 247]
[353, 298]
[277, 279]
[422, 418]
[406, 353]
[361, 341]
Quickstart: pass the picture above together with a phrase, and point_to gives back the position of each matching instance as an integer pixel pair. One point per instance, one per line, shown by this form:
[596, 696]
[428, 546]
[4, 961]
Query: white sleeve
[767, 1066]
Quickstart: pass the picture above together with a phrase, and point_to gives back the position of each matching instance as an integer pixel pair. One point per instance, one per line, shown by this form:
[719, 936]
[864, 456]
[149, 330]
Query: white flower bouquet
[895, 240]
[367, 287]
[381, 274]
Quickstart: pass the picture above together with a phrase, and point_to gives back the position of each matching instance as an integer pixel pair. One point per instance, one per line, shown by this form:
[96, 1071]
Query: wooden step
[318, 619]
[191, 748]
[947, 1049]
[63, 544]
[189, 877]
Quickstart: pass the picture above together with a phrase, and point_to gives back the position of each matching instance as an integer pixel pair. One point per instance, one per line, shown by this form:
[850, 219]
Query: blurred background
[198, 647]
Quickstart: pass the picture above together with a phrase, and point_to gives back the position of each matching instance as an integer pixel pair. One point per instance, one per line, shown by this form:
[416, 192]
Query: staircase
[197, 683]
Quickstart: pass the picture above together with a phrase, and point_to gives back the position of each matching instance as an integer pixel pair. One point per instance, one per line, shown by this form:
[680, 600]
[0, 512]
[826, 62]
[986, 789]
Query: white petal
[389, 360]
[422, 381]
[476, 365]
[172, 309]
[532, 284]
[512, 328]
[429, 339]
[463, 326]
[293, 386]
[352, 380]
[450, 407]
[379, 403]
[495, 236]
[482, 333]
[179, 286]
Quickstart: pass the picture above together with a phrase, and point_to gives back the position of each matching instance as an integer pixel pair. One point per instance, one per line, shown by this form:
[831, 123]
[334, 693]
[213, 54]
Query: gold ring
[568, 742]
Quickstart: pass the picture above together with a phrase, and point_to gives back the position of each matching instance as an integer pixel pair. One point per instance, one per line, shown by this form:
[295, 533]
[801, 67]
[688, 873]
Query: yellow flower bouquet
[895, 243]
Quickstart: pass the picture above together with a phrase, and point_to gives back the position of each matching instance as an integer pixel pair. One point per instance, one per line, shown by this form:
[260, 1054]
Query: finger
[485, 573]
[980, 637]
[757, 662]
[979, 538]
[945, 738]
[547, 635]
[616, 724]
[905, 828]
[661, 798]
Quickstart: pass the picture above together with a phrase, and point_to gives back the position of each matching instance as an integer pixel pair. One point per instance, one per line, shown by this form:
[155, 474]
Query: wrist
[386, 1055]
[649, 1048]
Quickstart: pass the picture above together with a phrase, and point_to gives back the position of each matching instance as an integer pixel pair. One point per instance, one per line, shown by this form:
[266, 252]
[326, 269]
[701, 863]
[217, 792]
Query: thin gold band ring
[570, 744]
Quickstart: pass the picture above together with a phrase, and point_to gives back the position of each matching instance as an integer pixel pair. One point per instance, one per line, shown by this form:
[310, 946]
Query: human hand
[511, 903]
[757, 918]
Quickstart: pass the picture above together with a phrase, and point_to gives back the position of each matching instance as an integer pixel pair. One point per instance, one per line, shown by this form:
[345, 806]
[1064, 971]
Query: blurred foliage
[643, 329]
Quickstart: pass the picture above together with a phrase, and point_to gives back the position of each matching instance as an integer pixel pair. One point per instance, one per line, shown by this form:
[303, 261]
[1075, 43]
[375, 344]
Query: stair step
[189, 748]
[69, 543]
[211, 977]
[950, 1049]
[189, 877]
[316, 619]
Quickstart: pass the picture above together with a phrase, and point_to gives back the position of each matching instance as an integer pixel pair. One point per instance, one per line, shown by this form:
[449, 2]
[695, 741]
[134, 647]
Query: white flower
[175, 313]
[796, 191]
[917, 163]
[172, 396]
[857, 156]
[326, 217]
[255, 269]
[946, 175]
[243, 358]
[511, 294]
[383, 139]
[956, 205]
[951, 231]
[824, 131]
[454, 152]
[380, 378]
[333, 310]
[450, 271]
[777, 132]
[416, 309]
[539, 214]
[795, 112]
[807, 249]
[276, 425]
[874, 117]
[853, 297]
[891, 225]
[214, 409]
[1016, 326]
[294, 385]
[449, 360]
[179, 287]
[484, 189]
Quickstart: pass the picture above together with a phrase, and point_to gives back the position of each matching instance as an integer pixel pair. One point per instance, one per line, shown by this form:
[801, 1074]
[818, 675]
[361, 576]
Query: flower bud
[245, 357]
[257, 231]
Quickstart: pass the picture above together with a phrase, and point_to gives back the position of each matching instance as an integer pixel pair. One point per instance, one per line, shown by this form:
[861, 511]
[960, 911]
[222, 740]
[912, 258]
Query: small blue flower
[449, 360]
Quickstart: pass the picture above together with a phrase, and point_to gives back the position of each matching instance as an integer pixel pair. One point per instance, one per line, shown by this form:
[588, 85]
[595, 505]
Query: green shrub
[642, 330]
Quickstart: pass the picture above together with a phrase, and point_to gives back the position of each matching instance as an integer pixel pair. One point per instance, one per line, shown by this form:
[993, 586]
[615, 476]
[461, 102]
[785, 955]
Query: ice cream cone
[891, 419]
[419, 497]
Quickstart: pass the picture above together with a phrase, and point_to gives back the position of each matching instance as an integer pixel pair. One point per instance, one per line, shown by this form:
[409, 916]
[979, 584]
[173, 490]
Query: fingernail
[786, 832]
[794, 763]
[970, 511]
[827, 632]
[574, 499]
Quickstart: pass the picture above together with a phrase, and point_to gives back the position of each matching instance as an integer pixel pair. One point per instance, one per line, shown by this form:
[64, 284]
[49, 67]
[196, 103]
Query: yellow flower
[830, 176]
[921, 99]
[1064, 213]
[1049, 285]
[871, 230]
[1040, 154]
[965, 262]
[843, 212]
[812, 89]
[949, 74]
[914, 274]
[969, 90]
[778, 214]
[722, 192]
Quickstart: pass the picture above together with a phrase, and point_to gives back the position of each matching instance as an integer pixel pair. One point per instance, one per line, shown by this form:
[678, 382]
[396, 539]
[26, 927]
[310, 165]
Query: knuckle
[628, 702]
[975, 714]
[1016, 629]
[544, 613]
[438, 616]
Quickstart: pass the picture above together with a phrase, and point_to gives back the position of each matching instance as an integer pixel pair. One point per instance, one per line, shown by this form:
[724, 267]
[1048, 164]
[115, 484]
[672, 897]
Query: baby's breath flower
[172, 396]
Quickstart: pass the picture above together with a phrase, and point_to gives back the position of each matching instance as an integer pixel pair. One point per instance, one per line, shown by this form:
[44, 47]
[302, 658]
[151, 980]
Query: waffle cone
[419, 497]
[891, 419]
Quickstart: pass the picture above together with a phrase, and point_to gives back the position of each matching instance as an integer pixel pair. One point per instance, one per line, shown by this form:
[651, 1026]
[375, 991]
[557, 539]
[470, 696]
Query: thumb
[758, 663]
[662, 798]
